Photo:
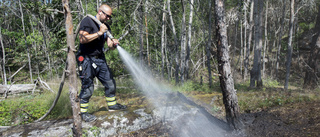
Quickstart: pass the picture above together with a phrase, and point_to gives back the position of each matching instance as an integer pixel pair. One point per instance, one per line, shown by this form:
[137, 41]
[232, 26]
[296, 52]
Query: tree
[311, 79]
[289, 52]
[209, 43]
[3, 67]
[255, 74]
[230, 99]
[175, 44]
[73, 84]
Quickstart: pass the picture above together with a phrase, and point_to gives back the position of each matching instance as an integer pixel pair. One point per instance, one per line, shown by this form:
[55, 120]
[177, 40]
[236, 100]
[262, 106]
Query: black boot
[88, 117]
[117, 107]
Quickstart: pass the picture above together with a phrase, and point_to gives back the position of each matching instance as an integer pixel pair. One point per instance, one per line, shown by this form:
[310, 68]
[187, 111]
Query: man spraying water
[92, 61]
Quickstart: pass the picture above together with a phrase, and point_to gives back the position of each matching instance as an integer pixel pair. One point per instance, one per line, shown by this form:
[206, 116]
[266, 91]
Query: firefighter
[92, 62]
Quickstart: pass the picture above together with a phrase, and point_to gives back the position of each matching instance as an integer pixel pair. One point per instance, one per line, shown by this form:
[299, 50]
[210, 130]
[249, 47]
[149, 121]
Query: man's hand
[103, 29]
[112, 43]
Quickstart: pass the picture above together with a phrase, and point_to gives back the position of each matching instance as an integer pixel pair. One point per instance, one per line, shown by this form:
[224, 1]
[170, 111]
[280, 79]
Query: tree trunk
[255, 74]
[189, 39]
[175, 44]
[230, 99]
[265, 40]
[289, 52]
[25, 40]
[183, 43]
[147, 37]
[73, 89]
[163, 44]
[140, 12]
[3, 59]
[279, 38]
[209, 44]
[311, 79]
[247, 54]
[245, 24]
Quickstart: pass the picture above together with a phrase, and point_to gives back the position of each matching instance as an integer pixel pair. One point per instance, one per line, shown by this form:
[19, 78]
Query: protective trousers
[90, 68]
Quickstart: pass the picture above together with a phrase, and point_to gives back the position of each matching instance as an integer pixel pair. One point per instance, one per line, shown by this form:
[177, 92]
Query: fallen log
[16, 88]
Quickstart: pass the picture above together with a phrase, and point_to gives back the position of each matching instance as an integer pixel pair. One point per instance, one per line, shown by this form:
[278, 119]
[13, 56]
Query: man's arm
[85, 37]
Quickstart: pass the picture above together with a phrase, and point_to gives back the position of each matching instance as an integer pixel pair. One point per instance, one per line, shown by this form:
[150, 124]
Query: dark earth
[300, 119]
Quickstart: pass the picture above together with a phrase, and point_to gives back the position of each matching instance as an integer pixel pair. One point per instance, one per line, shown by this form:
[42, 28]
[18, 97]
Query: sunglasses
[109, 16]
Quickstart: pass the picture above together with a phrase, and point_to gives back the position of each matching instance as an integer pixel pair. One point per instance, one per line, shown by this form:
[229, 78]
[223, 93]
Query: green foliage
[21, 111]
[189, 86]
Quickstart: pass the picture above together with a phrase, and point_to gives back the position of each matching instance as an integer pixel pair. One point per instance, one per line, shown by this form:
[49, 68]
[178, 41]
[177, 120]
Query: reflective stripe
[84, 105]
[110, 98]
[83, 110]
[112, 103]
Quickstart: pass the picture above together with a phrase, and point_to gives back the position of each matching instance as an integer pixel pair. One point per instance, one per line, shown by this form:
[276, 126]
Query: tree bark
[230, 99]
[265, 40]
[183, 43]
[140, 12]
[209, 44]
[311, 79]
[289, 52]
[189, 40]
[147, 33]
[247, 54]
[255, 74]
[163, 44]
[73, 89]
[3, 59]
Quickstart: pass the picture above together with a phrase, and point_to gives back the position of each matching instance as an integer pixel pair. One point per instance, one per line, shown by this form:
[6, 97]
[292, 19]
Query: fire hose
[108, 33]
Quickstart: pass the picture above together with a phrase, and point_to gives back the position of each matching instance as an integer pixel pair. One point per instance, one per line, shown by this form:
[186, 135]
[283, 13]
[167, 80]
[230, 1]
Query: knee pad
[86, 93]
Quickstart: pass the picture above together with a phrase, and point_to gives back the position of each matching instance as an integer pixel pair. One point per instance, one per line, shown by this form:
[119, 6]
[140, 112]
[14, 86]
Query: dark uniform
[94, 65]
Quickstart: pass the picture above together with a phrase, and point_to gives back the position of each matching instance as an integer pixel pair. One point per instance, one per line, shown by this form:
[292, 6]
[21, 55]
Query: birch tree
[3, 59]
[163, 44]
[183, 43]
[189, 39]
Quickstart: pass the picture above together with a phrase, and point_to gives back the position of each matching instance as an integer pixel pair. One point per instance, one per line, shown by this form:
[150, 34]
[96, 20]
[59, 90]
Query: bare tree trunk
[255, 74]
[245, 24]
[265, 40]
[189, 39]
[247, 55]
[311, 79]
[183, 43]
[230, 99]
[175, 43]
[279, 38]
[3, 58]
[209, 44]
[289, 52]
[73, 89]
[147, 39]
[163, 44]
[25, 40]
[140, 12]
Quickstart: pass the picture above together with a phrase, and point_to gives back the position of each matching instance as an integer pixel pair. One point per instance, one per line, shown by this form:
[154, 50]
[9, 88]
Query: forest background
[176, 39]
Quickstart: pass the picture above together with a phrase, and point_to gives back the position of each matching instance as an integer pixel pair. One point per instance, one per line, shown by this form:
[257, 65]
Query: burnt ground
[297, 119]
